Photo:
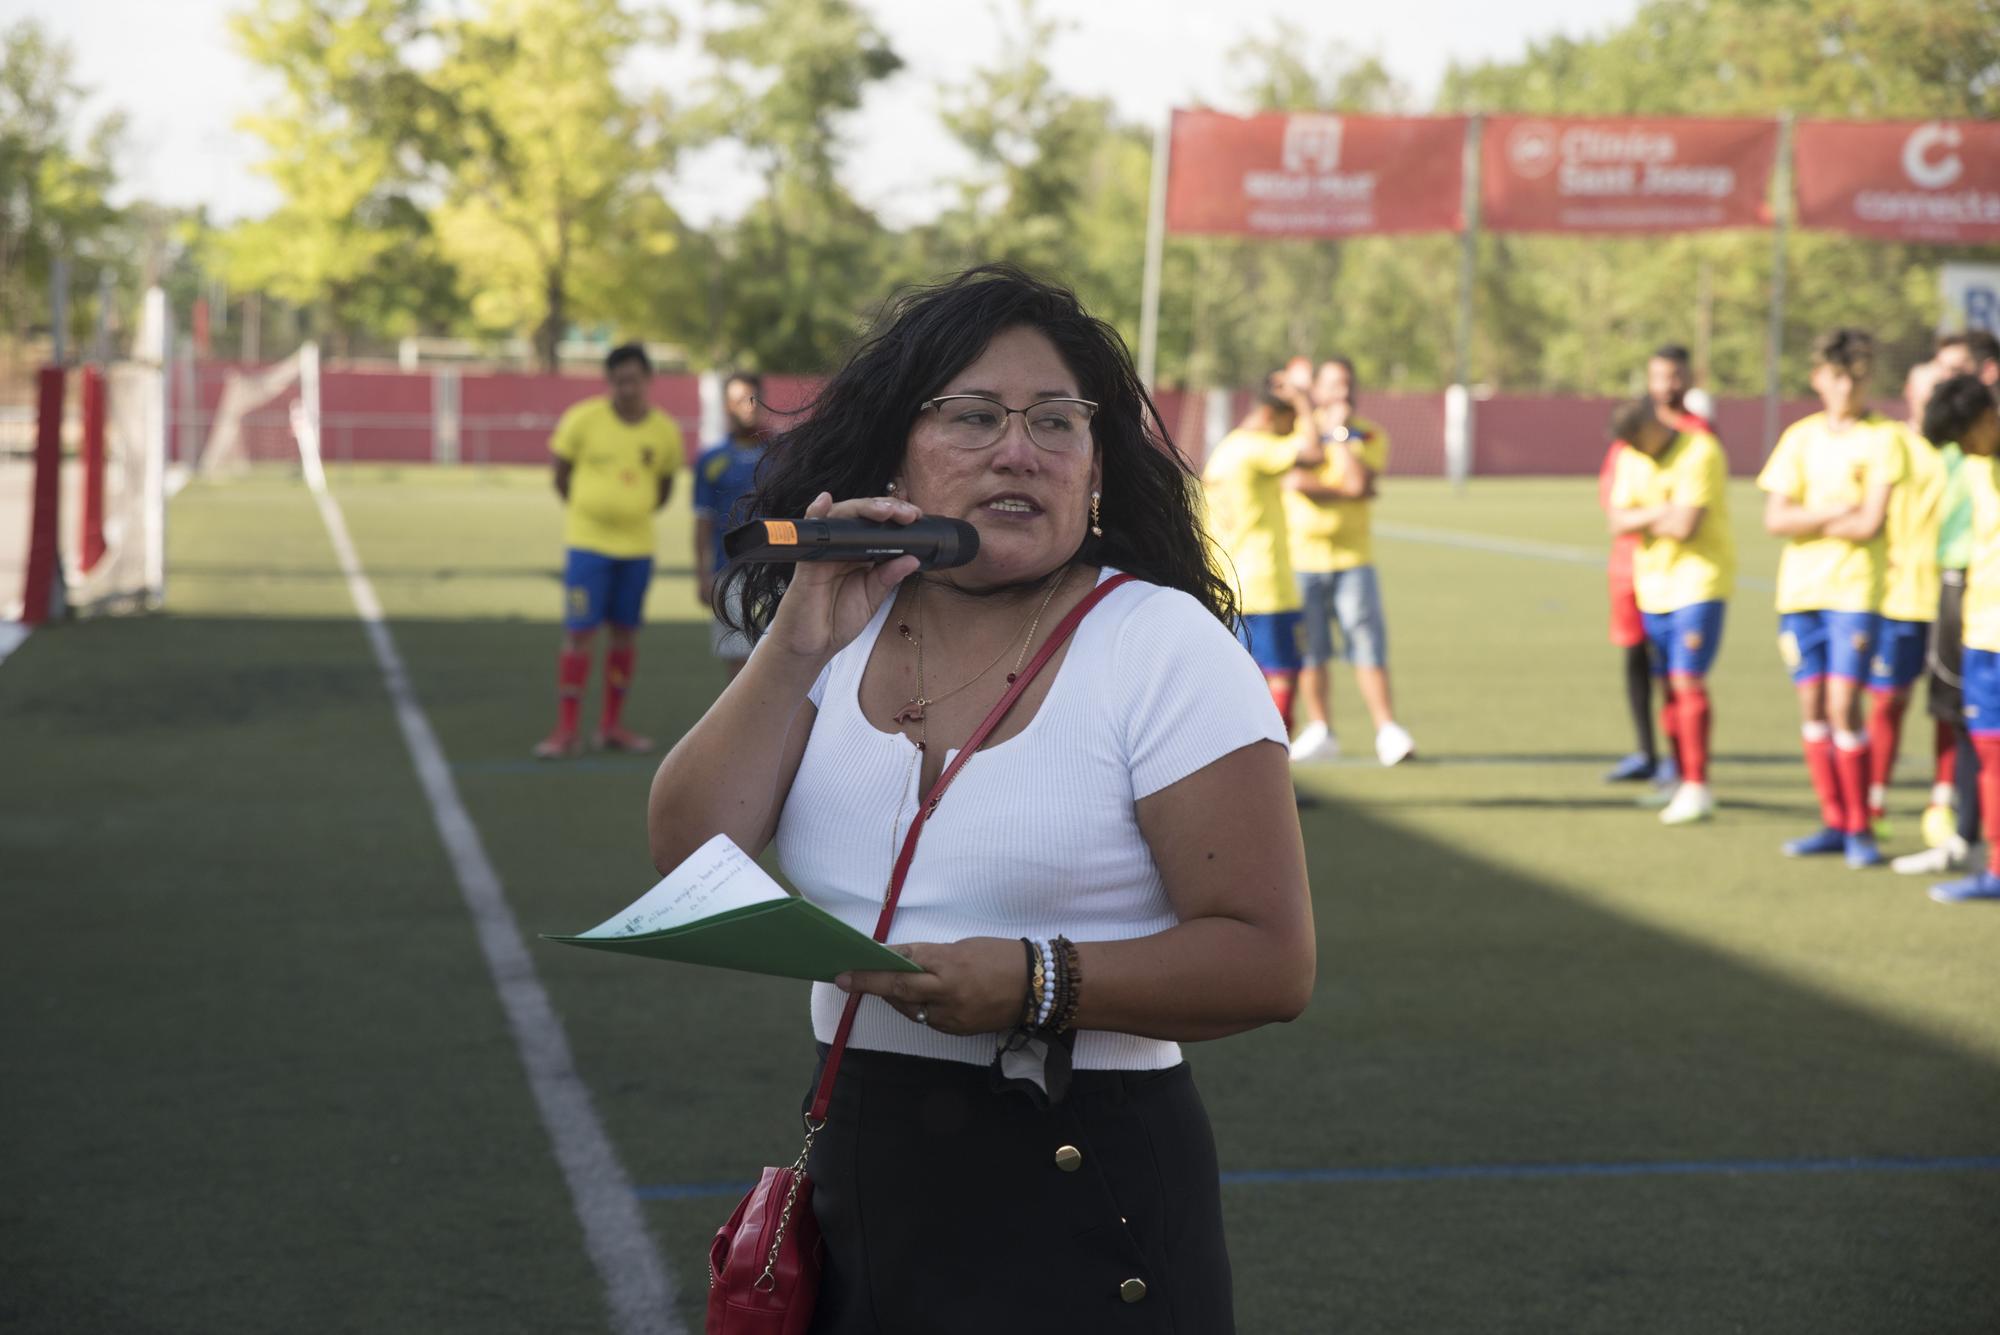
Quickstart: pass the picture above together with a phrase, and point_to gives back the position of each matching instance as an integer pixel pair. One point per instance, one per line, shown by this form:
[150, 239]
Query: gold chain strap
[769, 1280]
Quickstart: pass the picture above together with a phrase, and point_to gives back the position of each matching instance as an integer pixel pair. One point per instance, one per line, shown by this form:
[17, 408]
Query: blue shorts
[1353, 600]
[1817, 645]
[1685, 640]
[599, 588]
[1901, 649]
[1274, 639]
[1982, 692]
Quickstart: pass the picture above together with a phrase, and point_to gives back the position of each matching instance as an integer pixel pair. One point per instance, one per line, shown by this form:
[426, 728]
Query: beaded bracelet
[1032, 1004]
[1056, 987]
[1072, 979]
[1049, 972]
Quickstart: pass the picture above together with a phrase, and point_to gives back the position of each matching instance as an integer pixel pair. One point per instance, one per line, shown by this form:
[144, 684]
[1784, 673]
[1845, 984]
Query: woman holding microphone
[1124, 845]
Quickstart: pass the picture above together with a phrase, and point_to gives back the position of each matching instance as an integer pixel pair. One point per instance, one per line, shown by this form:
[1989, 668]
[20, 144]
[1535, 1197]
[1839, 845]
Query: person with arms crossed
[615, 460]
[1827, 486]
[1669, 373]
[1131, 814]
[725, 473]
[1671, 488]
[1327, 518]
[1962, 409]
[1244, 481]
[1910, 591]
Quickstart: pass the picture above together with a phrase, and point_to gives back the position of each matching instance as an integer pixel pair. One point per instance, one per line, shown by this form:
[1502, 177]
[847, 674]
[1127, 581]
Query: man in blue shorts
[615, 460]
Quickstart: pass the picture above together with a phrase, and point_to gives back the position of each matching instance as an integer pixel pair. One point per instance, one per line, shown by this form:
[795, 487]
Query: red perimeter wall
[386, 417]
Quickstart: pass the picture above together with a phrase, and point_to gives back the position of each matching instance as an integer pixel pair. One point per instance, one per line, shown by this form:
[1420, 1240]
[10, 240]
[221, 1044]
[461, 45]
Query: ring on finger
[923, 1015]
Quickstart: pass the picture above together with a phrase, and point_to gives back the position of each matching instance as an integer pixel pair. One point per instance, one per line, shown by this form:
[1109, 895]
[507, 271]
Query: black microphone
[936, 543]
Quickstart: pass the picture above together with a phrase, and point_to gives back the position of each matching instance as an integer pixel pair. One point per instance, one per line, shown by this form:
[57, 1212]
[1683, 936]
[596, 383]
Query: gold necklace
[916, 710]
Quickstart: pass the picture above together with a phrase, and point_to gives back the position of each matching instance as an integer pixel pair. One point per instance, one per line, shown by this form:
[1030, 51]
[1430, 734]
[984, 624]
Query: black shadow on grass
[264, 1058]
[1467, 1014]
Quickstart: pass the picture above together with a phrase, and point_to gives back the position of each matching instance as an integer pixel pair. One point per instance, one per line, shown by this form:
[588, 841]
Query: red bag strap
[823, 1097]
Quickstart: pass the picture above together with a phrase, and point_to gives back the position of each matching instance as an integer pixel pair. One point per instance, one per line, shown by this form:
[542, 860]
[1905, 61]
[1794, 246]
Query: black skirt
[952, 1208]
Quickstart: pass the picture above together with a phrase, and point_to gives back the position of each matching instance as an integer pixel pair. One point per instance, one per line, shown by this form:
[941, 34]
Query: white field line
[1525, 547]
[637, 1287]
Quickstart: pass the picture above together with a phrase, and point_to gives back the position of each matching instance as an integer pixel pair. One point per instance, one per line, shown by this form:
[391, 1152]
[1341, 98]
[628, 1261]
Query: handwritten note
[716, 878]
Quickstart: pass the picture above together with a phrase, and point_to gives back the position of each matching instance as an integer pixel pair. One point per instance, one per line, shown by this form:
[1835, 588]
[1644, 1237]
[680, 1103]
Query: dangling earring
[1096, 500]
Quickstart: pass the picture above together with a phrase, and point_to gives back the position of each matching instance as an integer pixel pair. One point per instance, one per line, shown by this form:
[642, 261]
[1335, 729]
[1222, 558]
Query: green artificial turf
[258, 1079]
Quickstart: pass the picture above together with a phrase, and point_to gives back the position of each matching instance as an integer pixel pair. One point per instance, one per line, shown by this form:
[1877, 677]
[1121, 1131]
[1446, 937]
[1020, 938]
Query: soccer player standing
[1670, 489]
[1962, 409]
[1244, 481]
[1326, 515]
[725, 473]
[1909, 603]
[615, 460]
[1669, 373]
[1827, 486]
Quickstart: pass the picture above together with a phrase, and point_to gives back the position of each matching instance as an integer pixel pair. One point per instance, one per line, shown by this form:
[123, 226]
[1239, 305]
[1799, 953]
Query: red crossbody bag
[764, 1265]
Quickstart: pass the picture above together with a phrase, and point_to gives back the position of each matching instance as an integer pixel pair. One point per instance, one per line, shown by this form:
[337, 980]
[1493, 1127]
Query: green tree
[1059, 183]
[552, 208]
[349, 143]
[53, 193]
[798, 273]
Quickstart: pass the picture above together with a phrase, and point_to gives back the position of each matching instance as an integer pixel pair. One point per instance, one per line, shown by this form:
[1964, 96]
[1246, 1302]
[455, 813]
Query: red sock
[1850, 759]
[1988, 748]
[1670, 725]
[618, 663]
[572, 675]
[1691, 712]
[1946, 750]
[1282, 685]
[1825, 779]
[1885, 736]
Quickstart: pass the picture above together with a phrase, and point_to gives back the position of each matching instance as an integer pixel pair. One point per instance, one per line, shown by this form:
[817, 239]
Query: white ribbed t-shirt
[1038, 835]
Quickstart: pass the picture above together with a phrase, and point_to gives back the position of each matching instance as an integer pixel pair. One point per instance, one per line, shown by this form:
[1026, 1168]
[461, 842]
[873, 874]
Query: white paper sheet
[716, 877]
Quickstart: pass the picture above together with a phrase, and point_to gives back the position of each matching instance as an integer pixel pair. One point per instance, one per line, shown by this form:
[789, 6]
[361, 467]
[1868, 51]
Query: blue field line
[577, 765]
[1504, 1172]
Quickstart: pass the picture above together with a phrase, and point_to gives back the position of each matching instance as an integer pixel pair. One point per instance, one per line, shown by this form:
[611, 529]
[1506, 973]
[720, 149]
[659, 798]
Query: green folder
[787, 938]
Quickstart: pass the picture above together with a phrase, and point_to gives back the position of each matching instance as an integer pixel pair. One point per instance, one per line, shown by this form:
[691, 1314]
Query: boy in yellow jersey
[615, 460]
[1827, 486]
[1909, 604]
[1962, 409]
[1244, 481]
[1326, 514]
[1671, 488]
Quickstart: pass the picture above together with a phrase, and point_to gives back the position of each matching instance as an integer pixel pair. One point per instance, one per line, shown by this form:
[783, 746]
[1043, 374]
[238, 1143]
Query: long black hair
[853, 435]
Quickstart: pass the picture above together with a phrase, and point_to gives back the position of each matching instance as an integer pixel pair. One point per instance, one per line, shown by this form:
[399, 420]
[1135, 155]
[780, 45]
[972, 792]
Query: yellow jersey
[1334, 535]
[1668, 574]
[615, 485]
[1244, 482]
[1982, 577]
[1916, 510]
[1817, 467]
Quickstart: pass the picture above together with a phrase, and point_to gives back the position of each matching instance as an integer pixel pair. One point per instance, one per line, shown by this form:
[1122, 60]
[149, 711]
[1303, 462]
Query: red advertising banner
[1311, 174]
[1933, 181]
[1558, 174]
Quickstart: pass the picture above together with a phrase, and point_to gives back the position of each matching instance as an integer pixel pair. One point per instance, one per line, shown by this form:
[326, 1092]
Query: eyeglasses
[974, 422]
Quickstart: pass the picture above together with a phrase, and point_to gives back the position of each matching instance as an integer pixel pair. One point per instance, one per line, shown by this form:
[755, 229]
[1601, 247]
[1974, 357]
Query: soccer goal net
[87, 476]
[266, 414]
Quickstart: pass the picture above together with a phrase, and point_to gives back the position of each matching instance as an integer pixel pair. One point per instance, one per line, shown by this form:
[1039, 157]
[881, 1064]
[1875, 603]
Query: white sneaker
[1952, 855]
[1393, 744]
[1692, 802]
[1315, 742]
